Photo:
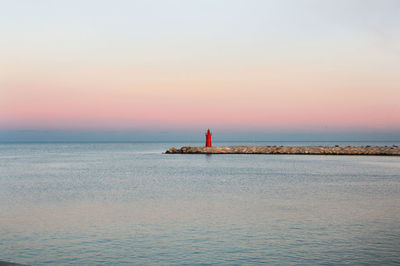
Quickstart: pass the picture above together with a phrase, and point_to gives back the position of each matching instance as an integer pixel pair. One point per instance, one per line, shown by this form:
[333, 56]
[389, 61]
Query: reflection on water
[129, 203]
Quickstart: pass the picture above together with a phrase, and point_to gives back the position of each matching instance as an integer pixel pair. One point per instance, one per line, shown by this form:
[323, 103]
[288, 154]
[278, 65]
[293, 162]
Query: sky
[309, 66]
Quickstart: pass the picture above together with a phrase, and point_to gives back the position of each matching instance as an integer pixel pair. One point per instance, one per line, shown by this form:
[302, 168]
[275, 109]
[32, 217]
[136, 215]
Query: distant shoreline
[304, 150]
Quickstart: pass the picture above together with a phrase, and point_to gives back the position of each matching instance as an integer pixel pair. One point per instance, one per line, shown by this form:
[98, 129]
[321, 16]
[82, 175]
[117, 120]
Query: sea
[115, 203]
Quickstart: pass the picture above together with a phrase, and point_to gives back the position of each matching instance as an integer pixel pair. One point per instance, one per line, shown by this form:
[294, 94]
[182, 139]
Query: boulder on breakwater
[311, 150]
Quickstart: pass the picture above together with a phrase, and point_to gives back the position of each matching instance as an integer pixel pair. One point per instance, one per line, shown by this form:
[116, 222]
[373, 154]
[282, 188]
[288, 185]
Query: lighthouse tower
[208, 138]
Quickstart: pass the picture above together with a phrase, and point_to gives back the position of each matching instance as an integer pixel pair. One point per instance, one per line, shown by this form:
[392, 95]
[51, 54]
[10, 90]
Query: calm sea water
[116, 203]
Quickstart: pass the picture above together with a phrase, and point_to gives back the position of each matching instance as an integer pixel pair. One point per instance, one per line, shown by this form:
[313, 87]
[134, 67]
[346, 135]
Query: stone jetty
[310, 150]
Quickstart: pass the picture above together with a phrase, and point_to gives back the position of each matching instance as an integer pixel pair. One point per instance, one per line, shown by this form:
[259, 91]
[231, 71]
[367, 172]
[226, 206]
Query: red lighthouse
[208, 138]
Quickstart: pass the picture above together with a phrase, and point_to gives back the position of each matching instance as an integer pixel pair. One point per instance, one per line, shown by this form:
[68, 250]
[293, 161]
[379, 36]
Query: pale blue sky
[110, 25]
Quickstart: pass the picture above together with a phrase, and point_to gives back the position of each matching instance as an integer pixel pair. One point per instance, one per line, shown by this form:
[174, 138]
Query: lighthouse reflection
[208, 157]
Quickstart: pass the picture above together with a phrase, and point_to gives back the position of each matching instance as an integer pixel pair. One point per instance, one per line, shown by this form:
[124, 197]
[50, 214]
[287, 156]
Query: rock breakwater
[311, 150]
